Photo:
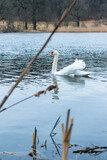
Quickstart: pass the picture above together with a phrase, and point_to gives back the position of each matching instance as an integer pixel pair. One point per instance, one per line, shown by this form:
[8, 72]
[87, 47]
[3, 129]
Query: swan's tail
[78, 65]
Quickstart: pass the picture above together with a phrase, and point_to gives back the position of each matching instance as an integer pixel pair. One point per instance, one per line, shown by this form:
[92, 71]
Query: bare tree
[37, 7]
[2, 8]
[50, 10]
[80, 11]
[23, 7]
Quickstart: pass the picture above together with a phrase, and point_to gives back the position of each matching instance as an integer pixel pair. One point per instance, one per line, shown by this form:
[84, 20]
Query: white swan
[75, 69]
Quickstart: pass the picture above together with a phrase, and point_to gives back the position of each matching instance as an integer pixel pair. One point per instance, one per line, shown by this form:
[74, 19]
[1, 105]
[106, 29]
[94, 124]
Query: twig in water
[36, 94]
[92, 150]
[56, 123]
[66, 136]
[32, 61]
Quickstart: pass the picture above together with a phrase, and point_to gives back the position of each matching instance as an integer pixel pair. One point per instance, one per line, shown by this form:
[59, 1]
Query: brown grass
[85, 26]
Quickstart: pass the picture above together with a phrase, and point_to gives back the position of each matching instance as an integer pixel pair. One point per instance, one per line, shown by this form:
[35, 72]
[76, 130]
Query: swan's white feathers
[72, 69]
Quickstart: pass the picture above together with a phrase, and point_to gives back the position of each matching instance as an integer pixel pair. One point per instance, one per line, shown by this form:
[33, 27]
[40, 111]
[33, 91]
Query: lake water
[86, 97]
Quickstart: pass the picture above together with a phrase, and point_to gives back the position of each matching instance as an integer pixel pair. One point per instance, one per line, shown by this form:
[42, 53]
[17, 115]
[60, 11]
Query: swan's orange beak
[51, 54]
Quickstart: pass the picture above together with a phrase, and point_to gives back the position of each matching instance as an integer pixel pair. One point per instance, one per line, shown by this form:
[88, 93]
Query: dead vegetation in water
[66, 133]
[96, 150]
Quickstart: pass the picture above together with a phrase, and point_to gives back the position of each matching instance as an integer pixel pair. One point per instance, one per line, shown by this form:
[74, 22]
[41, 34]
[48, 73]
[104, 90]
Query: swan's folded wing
[77, 65]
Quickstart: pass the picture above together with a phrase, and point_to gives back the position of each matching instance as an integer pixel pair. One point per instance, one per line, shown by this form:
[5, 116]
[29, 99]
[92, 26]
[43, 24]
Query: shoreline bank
[85, 26]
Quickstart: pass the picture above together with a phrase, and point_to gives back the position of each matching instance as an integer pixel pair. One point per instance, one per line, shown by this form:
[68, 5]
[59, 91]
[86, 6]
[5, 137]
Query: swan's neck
[54, 65]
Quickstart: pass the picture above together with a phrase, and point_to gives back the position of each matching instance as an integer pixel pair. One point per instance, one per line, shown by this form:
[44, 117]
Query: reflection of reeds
[56, 146]
[56, 123]
[44, 145]
[52, 134]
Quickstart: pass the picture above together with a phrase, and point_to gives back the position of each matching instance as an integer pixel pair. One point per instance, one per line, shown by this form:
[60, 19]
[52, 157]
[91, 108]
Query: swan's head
[54, 52]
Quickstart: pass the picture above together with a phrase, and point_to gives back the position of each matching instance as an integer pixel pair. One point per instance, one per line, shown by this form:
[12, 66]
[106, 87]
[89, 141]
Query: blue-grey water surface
[86, 97]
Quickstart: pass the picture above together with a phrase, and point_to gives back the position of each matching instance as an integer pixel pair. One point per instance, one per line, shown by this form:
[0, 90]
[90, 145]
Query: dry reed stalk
[36, 94]
[32, 61]
[33, 140]
[66, 136]
[34, 143]
[96, 150]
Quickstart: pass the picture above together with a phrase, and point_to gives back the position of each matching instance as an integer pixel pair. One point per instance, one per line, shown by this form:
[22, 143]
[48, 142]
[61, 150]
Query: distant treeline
[32, 11]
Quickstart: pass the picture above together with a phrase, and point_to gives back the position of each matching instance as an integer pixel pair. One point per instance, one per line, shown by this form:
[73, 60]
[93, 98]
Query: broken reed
[36, 94]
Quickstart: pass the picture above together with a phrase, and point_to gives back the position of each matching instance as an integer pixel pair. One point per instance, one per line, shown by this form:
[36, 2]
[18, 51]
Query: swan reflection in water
[75, 82]
[56, 90]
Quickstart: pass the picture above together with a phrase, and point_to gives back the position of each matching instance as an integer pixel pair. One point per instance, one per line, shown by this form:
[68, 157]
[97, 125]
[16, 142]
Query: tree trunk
[26, 24]
[34, 21]
[78, 22]
[26, 19]
[34, 14]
